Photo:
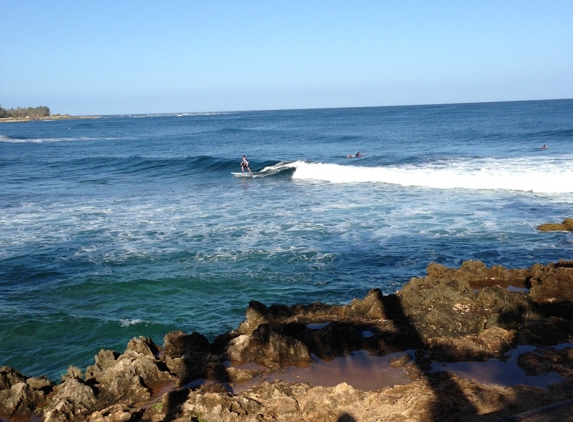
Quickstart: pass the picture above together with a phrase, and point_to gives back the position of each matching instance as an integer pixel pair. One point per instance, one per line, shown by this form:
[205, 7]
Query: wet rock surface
[451, 315]
[548, 359]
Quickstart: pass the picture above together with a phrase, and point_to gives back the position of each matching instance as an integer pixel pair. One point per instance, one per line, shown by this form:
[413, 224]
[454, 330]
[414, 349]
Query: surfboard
[240, 174]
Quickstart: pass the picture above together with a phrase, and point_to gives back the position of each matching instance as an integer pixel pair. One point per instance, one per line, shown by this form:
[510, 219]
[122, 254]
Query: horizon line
[318, 108]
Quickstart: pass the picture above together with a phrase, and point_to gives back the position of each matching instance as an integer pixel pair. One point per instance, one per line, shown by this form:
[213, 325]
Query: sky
[121, 57]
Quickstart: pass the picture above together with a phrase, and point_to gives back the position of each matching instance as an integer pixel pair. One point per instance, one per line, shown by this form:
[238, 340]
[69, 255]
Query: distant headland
[28, 114]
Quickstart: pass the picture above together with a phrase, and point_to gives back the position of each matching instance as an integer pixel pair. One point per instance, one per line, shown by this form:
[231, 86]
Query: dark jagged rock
[473, 271]
[438, 309]
[113, 378]
[547, 331]
[548, 359]
[450, 315]
[493, 342]
[120, 412]
[10, 377]
[336, 339]
[186, 356]
[41, 384]
[71, 400]
[104, 360]
[20, 399]
[443, 304]
[73, 373]
[371, 307]
[127, 376]
[268, 346]
[20, 395]
[551, 287]
[503, 308]
[177, 343]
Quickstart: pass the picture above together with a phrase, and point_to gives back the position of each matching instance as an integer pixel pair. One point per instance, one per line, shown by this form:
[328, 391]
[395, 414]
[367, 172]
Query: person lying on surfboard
[245, 164]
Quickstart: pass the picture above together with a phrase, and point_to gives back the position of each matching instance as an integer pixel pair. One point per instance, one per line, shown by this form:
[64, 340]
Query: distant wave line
[13, 140]
[184, 114]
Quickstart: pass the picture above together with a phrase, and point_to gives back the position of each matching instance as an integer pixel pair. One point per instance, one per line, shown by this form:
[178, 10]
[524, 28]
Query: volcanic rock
[547, 359]
[21, 395]
[551, 287]
[128, 376]
[450, 315]
[268, 346]
[567, 226]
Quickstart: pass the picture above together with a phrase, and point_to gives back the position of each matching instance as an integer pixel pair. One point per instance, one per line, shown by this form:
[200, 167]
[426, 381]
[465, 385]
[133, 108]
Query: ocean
[134, 225]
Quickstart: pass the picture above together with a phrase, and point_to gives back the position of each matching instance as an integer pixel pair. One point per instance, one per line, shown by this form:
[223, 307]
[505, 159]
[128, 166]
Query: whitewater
[541, 175]
[134, 225]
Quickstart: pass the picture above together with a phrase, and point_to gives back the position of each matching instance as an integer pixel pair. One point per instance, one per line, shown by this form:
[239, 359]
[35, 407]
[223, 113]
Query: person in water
[245, 164]
[358, 154]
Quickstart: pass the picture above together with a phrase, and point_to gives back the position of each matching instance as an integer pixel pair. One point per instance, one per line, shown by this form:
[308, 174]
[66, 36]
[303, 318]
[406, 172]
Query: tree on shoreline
[22, 113]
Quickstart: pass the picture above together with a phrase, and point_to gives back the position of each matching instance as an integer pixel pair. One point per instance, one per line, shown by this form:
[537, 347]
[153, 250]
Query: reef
[467, 314]
[566, 226]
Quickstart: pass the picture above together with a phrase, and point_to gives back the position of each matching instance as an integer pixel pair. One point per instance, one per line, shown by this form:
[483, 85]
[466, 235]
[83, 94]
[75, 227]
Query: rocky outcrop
[186, 355]
[437, 397]
[566, 226]
[443, 311]
[446, 304]
[268, 346]
[21, 395]
[130, 375]
[548, 359]
[551, 287]
[71, 400]
[369, 308]
[459, 314]
[113, 378]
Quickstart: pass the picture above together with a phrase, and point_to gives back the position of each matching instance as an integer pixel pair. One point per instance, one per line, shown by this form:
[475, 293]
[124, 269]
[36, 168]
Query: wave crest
[525, 174]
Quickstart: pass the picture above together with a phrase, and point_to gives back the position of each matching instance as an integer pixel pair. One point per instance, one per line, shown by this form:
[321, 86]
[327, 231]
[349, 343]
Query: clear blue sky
[109, 57]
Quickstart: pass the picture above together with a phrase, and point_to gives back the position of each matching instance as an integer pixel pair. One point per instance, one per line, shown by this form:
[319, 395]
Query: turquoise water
[134, 225]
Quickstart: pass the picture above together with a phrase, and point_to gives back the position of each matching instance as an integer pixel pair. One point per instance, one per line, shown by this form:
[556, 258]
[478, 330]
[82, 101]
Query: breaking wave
[521, 174]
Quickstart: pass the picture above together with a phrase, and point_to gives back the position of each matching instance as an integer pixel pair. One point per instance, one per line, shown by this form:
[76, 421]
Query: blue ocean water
[133, 225]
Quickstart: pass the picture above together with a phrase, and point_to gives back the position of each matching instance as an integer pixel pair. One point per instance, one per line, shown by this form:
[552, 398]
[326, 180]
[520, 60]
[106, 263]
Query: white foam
[274, 169]
[146, 116]
[127, 322]
[11, 140]
[524, 174]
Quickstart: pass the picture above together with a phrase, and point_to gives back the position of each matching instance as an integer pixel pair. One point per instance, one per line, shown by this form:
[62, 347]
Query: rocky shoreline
[46, 118]
[451, 315]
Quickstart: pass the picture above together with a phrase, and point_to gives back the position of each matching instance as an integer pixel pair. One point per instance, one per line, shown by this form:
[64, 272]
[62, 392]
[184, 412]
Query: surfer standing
[245, 164]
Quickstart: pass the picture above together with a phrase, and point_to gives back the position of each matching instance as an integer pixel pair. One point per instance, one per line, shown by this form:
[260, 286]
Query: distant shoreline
[47, 118]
